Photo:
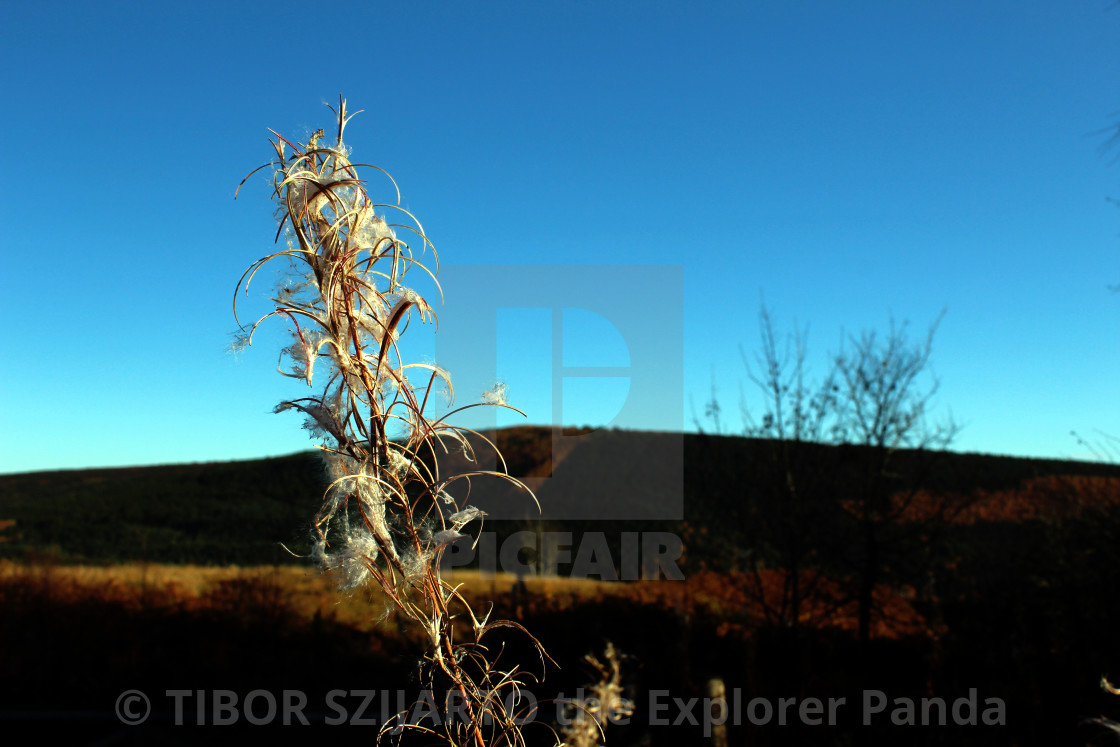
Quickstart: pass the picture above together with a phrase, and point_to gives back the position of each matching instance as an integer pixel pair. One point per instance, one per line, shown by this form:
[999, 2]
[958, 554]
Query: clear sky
[846, 162]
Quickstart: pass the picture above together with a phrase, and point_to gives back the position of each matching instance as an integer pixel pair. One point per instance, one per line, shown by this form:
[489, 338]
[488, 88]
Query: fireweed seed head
[372, 233]
[322, 422]
[354, 559]
[371, 494]
[302, 354]
[415, 564]
[445, 537]
[408, 299]
[461, 518]
[240, 340]
[399, 463]
[294, 287]
[496, 395]
[373, 323]
[337, 466]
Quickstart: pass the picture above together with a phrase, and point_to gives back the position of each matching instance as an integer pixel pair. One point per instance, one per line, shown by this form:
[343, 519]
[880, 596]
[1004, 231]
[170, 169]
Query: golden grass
[305, 594]
[198, 580]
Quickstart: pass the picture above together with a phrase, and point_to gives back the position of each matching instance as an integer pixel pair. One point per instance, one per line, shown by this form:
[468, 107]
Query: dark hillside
[213, 513]
[240, 512]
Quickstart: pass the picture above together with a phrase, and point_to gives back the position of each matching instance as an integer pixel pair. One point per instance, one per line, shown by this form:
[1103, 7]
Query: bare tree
[849, 510]
[883, 403]
[789, 506]
[883, 406]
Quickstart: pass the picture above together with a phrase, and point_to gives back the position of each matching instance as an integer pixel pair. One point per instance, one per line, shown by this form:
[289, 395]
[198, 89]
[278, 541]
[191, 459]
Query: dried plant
[388, 514]
[588, 717]
[1107, 723]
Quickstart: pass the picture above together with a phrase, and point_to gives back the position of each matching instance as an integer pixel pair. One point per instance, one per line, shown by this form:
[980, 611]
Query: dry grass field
[76, 636]
[303, 595]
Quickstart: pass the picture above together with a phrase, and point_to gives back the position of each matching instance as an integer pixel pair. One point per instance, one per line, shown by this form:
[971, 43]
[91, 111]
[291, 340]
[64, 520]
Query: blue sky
[846, 162]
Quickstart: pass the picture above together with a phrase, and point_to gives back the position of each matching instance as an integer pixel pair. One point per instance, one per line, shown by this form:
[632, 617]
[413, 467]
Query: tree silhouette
[850, 510]
[882, 406]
